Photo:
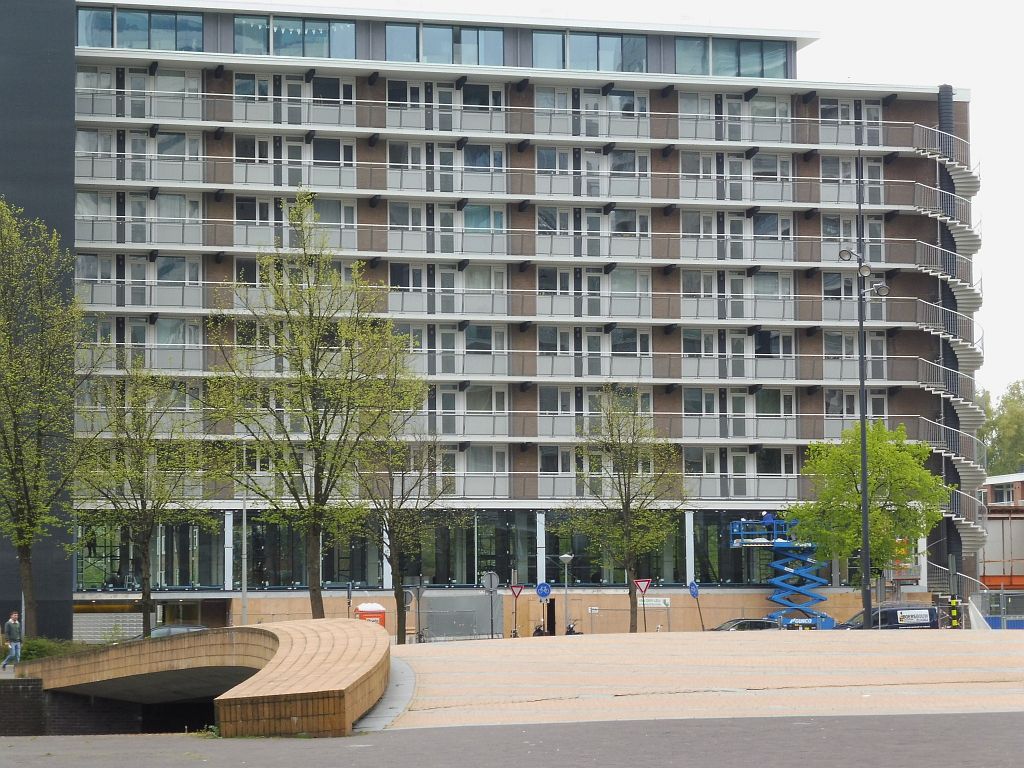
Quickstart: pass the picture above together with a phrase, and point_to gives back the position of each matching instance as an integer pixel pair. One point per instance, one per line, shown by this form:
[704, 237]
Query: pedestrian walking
[12, 633]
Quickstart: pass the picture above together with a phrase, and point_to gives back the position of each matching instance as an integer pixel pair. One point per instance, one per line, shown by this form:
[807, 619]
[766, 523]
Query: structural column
[542, 565]
[691, 566]
[229, 550]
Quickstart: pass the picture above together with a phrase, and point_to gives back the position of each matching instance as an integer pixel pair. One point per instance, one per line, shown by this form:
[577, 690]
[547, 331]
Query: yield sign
[642, 585]
[516, 589]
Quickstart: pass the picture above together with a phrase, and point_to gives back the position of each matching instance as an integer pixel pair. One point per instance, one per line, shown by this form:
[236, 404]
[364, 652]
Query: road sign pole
[516, 590]
[695, 594]
[642, 585]
[645, 612]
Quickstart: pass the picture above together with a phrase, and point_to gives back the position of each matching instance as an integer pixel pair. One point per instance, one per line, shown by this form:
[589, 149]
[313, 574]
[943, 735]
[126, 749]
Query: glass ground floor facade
[188, 557]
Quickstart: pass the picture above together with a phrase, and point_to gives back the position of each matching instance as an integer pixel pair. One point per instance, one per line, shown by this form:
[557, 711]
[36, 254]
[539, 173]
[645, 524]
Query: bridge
[292, 678]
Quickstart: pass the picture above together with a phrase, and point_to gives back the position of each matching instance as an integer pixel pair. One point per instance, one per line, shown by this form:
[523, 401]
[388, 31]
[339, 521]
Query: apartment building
[1001, 559]
[555, 206]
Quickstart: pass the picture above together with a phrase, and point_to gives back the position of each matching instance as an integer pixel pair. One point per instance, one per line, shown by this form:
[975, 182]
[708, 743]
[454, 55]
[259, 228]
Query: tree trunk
[28, 591]
[316, 594]
[399, 590]
[142, 547]
[630, 575]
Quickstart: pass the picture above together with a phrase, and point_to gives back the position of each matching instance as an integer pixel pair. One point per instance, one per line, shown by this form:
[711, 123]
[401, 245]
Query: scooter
[538, 631]
[570, 629]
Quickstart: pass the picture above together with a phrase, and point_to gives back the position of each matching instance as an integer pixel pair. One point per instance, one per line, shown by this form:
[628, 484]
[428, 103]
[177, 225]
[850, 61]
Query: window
[551, 98]
[252, 211]
[838, 345]
[554, 460]
[775, 57]
[481, 218]
[749, 58]
[480, 338]
[697, 283]
[94, 141]
[287, 36]
[401, 43]
[691, 55]
[93, 204]
[177, 81]
[698, 343]
[628, 162]
[630, 341]
[630, 223]
[835, 285]
[551, 281]
[552, 340]
[252, 149]
[89, 266]
[252, 87]
[479, 46]
[554, 400]
[773, 284]
[553, 221]
[316, 38]
[96, 27]
[484, 399]
[404, 216]
[627, 104]
[132, 29]
[252, 35]
[697, 165]
[177, 207]
[552, 160]
[343, 40]
[438, 45]
[772, 226]
[548, 50]
[773, 344]
[177, 145]
[839, 403]
[331, 152]
[333, 212]
[774, 167]
[404, 155]
[766, 107]
[697, 402]
[582, 51]
[176, 269]
[607, 53]
[773, 402]
[482, 157]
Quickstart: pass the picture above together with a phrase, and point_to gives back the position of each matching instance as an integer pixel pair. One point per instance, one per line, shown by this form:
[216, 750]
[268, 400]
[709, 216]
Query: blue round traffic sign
[693, 589]
[543, 590]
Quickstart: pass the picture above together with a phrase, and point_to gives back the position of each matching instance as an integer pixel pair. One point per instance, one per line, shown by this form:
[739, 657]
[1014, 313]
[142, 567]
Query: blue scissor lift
[795, 581]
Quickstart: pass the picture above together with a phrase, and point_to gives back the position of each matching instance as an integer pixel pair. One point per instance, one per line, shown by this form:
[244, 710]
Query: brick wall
[22, 707]
[29, 711]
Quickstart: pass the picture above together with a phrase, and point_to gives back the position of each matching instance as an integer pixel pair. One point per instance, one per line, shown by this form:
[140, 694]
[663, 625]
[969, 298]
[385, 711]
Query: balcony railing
[389, 178]
[500, 120]
[382, 238]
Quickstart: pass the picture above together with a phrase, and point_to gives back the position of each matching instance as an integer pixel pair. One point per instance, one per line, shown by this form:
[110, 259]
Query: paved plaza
[712, 675]
[939, 741]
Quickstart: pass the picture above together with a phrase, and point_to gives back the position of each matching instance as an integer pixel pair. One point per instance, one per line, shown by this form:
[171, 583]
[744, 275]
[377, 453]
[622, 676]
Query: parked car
[896, 616]
[169, 630]
[742, 625]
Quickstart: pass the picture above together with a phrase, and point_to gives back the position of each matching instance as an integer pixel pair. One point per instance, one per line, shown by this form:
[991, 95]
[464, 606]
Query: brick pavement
[707, 675]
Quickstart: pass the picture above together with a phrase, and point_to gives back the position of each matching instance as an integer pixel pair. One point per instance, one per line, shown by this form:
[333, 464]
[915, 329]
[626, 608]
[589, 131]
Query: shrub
[43, 647]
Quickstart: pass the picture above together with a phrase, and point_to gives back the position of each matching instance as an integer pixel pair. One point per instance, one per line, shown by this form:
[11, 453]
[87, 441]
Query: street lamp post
[879, 289]
[566, 559]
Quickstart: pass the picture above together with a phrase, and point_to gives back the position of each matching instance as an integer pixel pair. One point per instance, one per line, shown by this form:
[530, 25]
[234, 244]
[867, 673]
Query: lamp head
[566, 558]
[881, 289]
[846, 254]
[864, 270]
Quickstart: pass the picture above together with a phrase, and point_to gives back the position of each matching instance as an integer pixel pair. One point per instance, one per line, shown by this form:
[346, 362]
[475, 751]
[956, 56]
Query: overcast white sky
[902, 43]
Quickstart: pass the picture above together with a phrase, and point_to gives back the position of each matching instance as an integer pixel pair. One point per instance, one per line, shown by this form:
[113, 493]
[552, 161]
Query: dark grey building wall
[37, 134]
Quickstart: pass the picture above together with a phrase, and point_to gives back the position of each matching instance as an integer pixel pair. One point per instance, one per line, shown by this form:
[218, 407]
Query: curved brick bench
[312, 677]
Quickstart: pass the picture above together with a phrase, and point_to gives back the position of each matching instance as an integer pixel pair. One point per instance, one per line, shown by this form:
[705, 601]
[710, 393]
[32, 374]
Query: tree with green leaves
[905, 499]
[312, 373]
[1003, 431]
[400, 488]
[631, 486]
[40, 324]
[145, 465]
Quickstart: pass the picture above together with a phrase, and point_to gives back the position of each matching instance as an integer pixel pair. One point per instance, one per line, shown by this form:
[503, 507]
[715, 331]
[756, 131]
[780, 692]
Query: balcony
[927, 141]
